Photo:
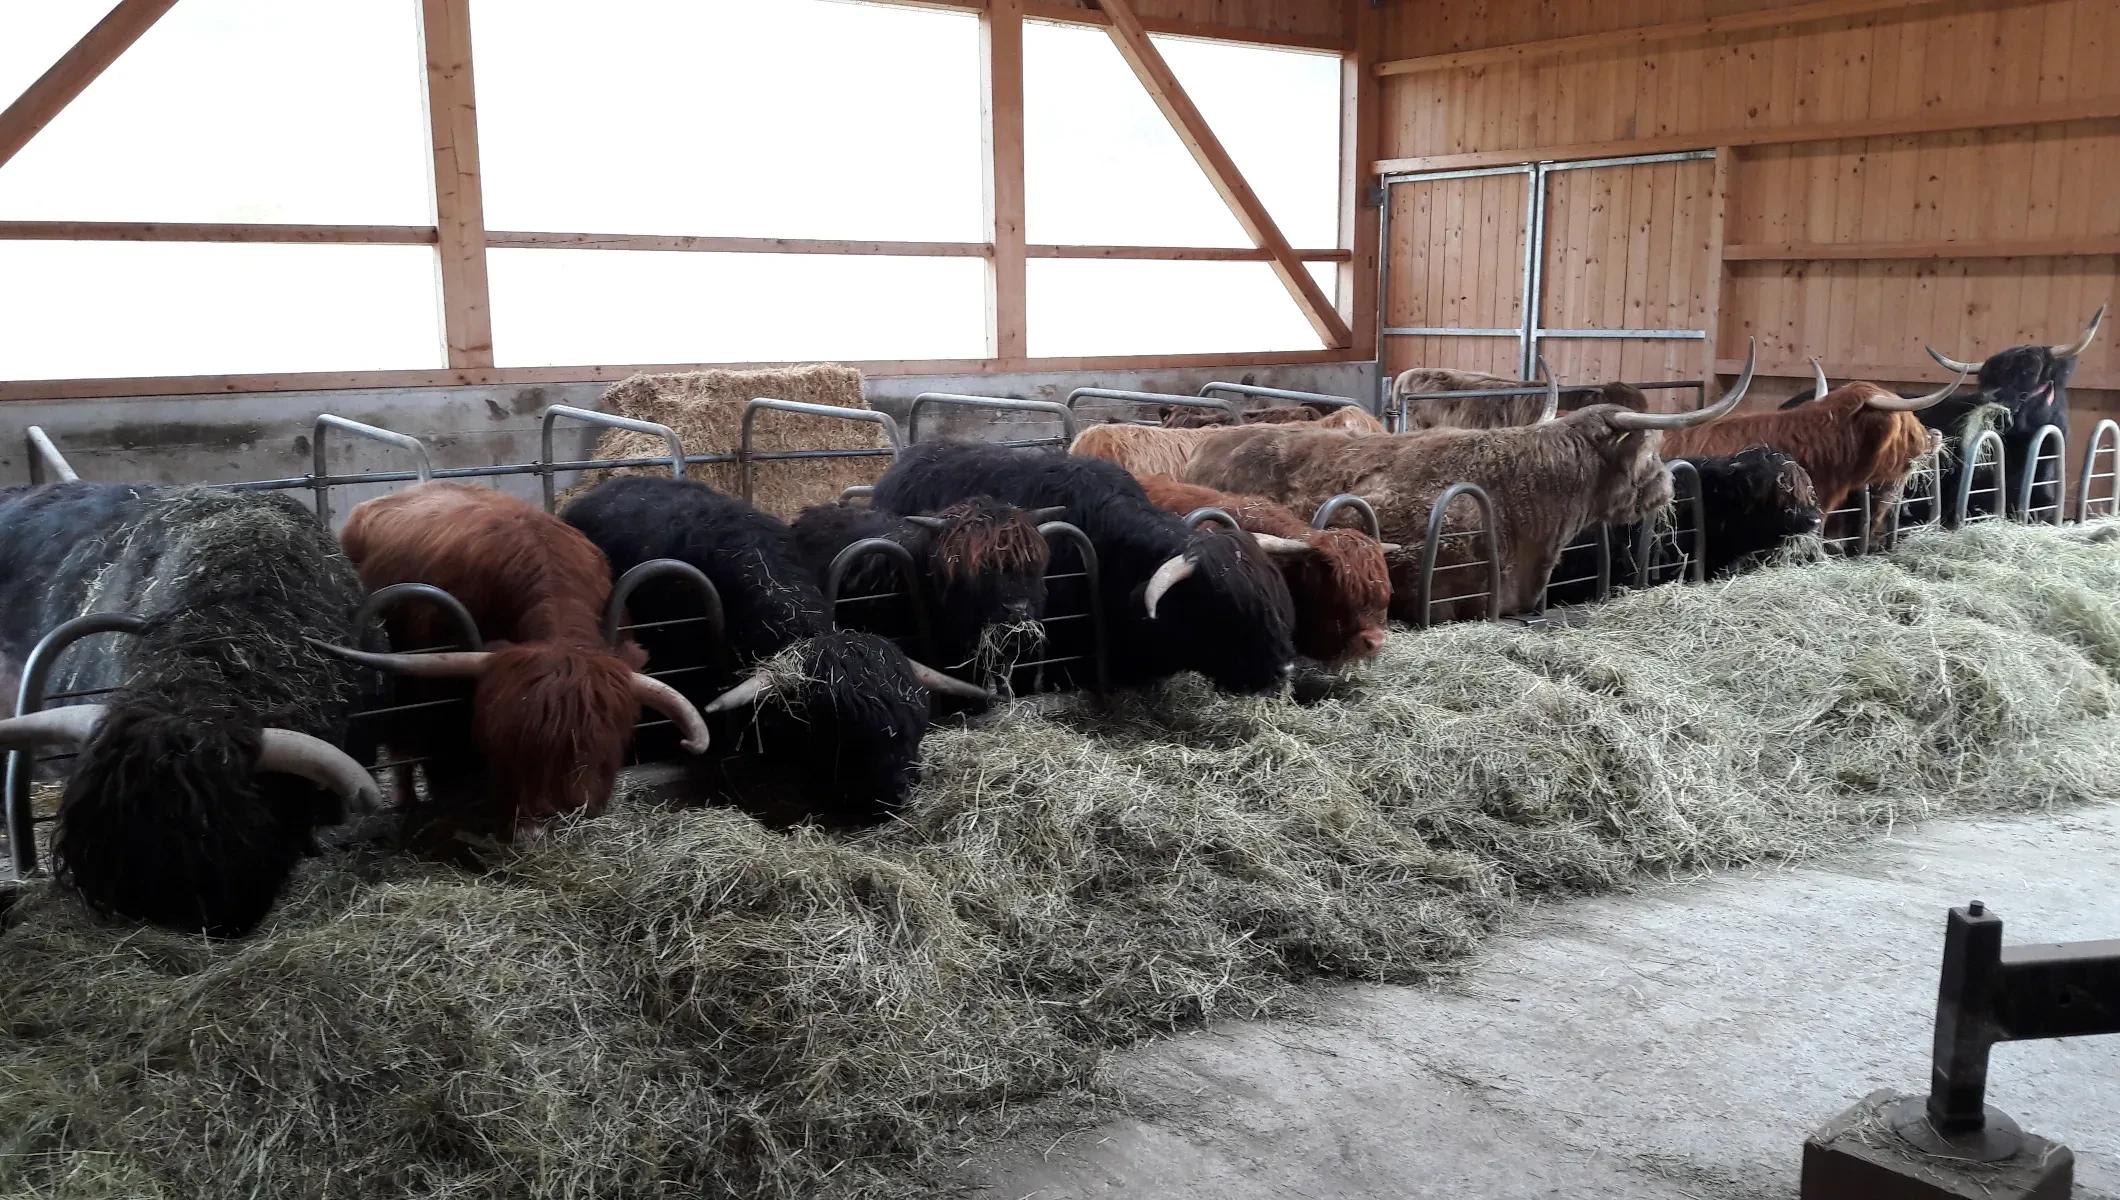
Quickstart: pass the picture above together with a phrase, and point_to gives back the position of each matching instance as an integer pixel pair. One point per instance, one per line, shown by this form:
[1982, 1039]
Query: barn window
[1103, 167]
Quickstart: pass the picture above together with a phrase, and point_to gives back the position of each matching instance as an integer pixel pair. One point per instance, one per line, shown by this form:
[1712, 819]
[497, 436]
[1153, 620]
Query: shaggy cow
[2032, 383]
[1325, 416]
[1547, 481]
[983, 565]
[1752, 503]
[1337, 577]
[1853, 436]
[847, 708]
[201, 778]
[1174, 599]
[1423, 394]
[1145, 450]
[554, 706]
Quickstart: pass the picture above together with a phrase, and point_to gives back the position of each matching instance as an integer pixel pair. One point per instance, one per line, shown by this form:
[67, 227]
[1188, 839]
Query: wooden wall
[1969, 197]
[1315, 23]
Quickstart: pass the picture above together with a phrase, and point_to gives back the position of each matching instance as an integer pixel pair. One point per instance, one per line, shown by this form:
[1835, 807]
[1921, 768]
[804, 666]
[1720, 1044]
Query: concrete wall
[235, 438]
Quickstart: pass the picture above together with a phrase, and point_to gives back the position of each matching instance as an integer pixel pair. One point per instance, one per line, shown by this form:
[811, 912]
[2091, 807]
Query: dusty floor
[1677, 1043]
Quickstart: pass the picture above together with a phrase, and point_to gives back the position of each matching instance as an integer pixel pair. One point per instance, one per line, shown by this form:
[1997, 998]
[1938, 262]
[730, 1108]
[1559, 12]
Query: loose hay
[706, 410]
[674, 1003]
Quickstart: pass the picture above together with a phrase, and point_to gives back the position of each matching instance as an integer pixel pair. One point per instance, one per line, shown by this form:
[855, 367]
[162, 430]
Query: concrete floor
[1679, 1043]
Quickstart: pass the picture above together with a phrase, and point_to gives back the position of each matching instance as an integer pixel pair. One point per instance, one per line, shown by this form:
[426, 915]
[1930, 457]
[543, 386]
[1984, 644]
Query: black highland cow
[2032, 383]
[1174, 599]
[202, 777]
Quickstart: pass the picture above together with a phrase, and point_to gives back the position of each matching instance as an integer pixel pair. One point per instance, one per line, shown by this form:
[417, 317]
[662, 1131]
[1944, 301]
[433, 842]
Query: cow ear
[632, 654]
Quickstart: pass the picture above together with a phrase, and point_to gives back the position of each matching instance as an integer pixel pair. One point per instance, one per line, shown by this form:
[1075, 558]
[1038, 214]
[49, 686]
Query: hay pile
[674, 1003]
[706, 410]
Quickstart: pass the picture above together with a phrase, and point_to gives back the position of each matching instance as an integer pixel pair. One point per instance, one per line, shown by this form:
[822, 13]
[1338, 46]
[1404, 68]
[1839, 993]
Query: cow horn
[1389, 547]
[1169, 575]
[938, 524]
[1952, 364]
[1715, 412]
[743, 693]
[1281, 546]
[2083, 343]
[290, 753]
[935, 681]
[72, 725]
[1917, 403]
[1039, 516]
[449, 664]
[1819, 386]
[663, 698]
[1553, 393]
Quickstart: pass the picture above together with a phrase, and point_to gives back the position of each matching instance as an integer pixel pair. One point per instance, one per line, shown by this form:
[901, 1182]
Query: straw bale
[706, 410]
[682, 1002]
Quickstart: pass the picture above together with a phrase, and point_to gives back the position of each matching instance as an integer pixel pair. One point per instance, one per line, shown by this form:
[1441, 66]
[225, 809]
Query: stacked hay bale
[706, 410]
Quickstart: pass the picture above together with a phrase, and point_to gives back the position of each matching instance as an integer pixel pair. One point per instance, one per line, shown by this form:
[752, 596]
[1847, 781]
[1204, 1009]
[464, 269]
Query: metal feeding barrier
[1424, 601]
[1595, 540]
[1987, 452]
[2036, 455]
[909, 591]
[747, 459]
[1311, 399]
[31, 697]
[1049, 408]
[1154, 399]
[2105, 439]
[1648, 559]
[45, 459]
[1361, 507]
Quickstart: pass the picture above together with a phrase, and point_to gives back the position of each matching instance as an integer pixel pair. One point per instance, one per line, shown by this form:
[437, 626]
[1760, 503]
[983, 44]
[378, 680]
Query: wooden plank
[1155, 74]
[1068, 14]
[180, 231]
[1361, 111]
[1183, 253]
[1767, 18]
[1001, 156]
[67, 78]
[459, 200]
[324, 381]
[2097, 108]
[516, 240]
[1877, 251]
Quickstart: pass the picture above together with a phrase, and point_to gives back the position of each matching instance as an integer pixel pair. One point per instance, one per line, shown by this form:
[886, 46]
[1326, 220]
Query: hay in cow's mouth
[664, 1003]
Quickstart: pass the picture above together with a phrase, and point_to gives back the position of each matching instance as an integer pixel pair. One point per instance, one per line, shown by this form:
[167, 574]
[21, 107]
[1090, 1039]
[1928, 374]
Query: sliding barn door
[1456, 270]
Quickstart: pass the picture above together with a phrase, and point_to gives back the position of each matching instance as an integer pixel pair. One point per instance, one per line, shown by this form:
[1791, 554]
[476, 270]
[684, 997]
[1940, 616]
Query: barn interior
[1628, 898]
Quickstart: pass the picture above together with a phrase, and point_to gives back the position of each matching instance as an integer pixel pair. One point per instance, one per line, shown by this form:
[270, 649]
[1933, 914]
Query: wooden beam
[1002, 186]
[182, 231]
[1926, 373]
[1718, 228]
[459, 199]
[328, 381]
[510, 240]
[1068, 14]
[1192, 129]
[1617, 39]
[1361, 110]
[2060, 247]
[1180, 253]
[76, 69]
[2095, 109]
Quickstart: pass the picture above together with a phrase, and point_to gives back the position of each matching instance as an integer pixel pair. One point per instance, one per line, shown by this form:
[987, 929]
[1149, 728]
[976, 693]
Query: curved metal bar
[1048, 407]
[45, 459]
[860, 491]
[1235, 414]
[670, 568]
[2090, 459]
[1212, 514]
[29, 698]
[747, 461]
[2032, 455]
[1867, 499]
[908, 573]
[1604, 562]
[1425, 591]
[320, 475]
[608, 421]
[398, 593]
[1268, 393]
[1092, 576]
[1973, 459]
[1370, 525]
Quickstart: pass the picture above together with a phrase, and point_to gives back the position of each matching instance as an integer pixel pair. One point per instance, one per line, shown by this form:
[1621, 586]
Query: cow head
[1341, 587]
[1755, 500]
[988, 562]
[1220, 607]
[2031, 381]
[1635, 484]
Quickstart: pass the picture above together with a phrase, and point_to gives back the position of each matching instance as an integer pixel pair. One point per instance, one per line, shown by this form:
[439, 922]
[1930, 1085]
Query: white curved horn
[1553, 393]
[1952, 364]
[1917, 403]
[290, 753]
[1282, 547]
[69, 726]
[1819, 386]
[2083, 343]
[449, 664]
[1169, 575]
[668, 701]
[1715, 412]
[740, 695]
[935, 681]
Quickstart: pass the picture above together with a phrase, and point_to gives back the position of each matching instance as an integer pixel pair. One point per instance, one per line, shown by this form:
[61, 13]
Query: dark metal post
[1093, 579]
